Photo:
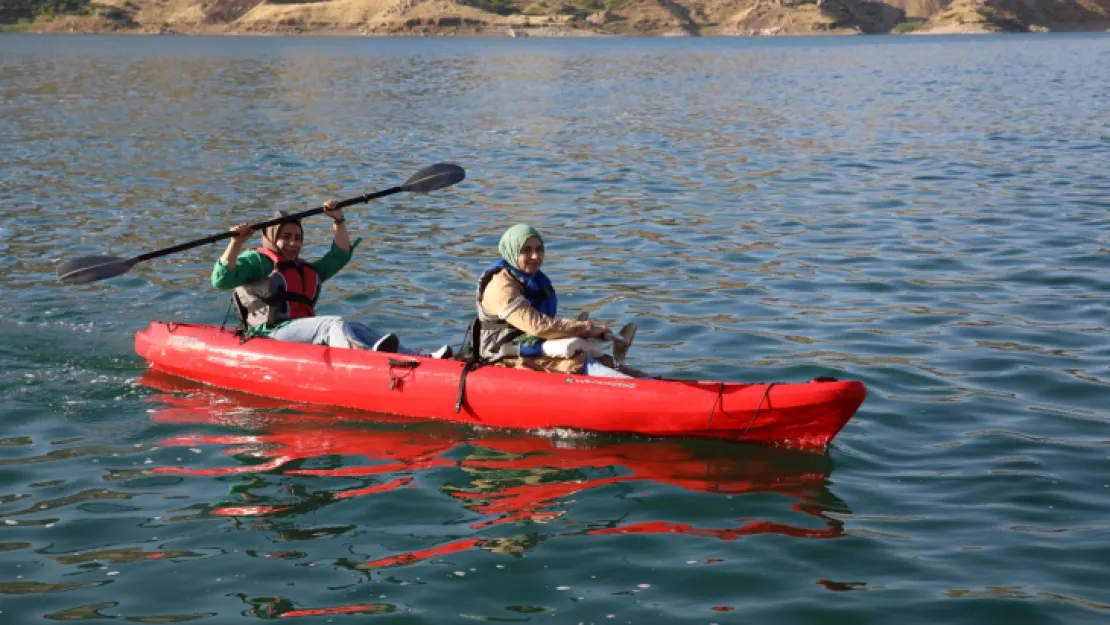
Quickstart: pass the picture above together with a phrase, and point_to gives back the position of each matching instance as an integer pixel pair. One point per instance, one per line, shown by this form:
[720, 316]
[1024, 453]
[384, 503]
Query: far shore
[515, 26]
[553, 18]
[542, 33]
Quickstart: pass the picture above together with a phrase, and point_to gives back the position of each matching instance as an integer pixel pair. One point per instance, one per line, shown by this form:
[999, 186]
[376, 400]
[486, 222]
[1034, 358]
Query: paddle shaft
[92, 268]
[259, 226]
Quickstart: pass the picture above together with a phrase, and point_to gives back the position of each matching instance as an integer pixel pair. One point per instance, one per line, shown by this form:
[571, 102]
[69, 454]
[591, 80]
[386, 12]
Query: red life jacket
[300, 289]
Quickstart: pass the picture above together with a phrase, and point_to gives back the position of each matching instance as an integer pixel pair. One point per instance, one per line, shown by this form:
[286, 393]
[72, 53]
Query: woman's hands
[599, 331]
[331, 209]
[243, 233]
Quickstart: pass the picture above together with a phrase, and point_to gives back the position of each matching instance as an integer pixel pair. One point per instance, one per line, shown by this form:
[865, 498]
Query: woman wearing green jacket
[276, 291]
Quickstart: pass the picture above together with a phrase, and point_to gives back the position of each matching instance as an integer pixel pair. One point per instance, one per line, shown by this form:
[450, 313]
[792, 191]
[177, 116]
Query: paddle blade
[92, 268]
[622, 340]
[434, 177]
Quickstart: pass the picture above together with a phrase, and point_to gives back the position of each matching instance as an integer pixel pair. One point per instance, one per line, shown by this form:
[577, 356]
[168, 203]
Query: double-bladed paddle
[92, 268]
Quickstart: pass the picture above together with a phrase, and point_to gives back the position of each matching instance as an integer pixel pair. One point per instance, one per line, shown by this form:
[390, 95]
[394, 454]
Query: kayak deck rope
[717, 401]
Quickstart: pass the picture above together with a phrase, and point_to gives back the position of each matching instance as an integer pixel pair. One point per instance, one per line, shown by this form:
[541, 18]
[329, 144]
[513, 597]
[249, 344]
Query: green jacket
[252, 266]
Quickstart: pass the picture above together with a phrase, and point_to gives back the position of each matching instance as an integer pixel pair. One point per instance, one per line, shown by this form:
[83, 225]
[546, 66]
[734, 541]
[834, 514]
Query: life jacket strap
[507, 348]
[297, 298]
[280, 298]
[240, 310]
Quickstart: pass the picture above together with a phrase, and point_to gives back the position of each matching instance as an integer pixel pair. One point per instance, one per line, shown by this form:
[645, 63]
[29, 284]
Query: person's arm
[341, 250]
[338, 226]
[243, 234]
[334, 260]
[504, 298]
[235, 268]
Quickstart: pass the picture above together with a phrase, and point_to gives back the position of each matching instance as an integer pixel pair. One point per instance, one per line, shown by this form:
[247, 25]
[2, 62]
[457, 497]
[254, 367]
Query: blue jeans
[332, 331]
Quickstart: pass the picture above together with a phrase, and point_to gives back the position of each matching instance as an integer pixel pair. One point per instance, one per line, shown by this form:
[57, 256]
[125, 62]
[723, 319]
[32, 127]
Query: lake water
[928, 215]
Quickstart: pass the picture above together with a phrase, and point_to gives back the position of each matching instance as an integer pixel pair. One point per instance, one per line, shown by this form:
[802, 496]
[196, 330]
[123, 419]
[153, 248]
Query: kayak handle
[400, 364]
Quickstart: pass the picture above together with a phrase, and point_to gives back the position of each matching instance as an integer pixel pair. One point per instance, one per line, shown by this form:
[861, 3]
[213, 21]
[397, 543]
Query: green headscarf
[510, 245]
[513, 240]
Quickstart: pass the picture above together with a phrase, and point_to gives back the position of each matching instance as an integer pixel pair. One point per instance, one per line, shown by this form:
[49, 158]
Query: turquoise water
[928, 215]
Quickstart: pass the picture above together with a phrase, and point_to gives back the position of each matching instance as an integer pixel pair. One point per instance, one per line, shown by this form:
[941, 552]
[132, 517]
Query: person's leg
[598, 370]
[335, 332]
[362, 336]
[314, 331]
[366, 334]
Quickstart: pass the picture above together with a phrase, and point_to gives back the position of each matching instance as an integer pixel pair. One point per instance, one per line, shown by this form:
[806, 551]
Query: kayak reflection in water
[275, 291]
[517, 323]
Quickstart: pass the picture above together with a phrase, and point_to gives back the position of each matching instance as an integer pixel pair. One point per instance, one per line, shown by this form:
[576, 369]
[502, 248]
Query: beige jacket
[504, 298]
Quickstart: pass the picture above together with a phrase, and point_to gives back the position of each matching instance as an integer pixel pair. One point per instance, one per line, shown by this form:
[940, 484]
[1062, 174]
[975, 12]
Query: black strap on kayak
[720, 392]
[713, 408]
[755, 414]
[469, 351]
[467, 368]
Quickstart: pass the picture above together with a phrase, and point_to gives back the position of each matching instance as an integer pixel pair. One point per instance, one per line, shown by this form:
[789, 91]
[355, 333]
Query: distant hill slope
[555, 17]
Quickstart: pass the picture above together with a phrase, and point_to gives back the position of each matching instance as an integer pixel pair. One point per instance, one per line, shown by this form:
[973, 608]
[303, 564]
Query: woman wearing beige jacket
[518, 317]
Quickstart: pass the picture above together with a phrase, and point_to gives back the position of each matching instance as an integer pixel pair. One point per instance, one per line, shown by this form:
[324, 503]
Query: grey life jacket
[289, 292]
[496, 338]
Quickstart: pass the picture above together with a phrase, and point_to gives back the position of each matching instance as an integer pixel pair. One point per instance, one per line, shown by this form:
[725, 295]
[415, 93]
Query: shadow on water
[518, 490]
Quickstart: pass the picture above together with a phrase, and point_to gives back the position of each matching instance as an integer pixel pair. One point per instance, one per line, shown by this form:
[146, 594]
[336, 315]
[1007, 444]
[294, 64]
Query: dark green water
[928, 215]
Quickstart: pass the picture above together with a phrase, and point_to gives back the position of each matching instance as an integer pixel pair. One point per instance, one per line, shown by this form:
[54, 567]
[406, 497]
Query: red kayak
[804, 415]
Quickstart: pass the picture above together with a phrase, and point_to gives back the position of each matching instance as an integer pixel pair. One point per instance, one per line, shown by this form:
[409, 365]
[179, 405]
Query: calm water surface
[928, 215]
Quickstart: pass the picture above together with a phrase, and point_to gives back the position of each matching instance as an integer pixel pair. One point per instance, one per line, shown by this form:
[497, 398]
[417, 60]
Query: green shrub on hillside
[13, 11]
[18, 27]
[908, 27]
[500, 7]
[63, 7]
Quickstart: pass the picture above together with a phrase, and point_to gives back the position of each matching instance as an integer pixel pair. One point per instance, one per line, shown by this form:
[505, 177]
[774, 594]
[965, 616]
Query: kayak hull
[797, 415]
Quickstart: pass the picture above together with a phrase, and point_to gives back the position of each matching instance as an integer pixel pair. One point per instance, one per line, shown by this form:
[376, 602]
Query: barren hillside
[554, 17]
